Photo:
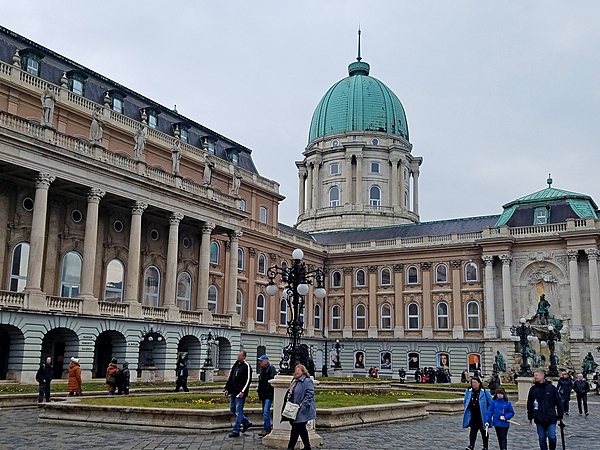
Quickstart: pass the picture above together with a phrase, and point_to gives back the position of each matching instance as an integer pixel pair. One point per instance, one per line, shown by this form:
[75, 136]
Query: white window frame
[362, 317]
[264, 215]
[356, 284]
[439, 280]
[283, 313]
[213, 300]
[241, 256]
[261, 307]
[335, 171]
[239, 302]
[410, 316]
[336, 317]
[151, 299]
[111, 289]
[184, 303]
[333, 284]
[243, 204]
[545, 215]
[466, 269]
[386, 269]
[440, 316]
[317, 321]
[374, 201]
[263, 258]
[383, 316]
[20, 278]
[217, 255]
[334, 202]
[470, 316]
[408, 269]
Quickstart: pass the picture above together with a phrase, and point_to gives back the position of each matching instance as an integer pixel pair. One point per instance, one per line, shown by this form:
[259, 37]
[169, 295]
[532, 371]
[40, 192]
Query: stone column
[232, 276]
[507, 295]
[399, 301]
[577, 331]
[38, 233]
[358, 189]
[458, 330]
[203, 272]
[172, 257]
[592, 255]
[373, 309]
[394, 180]
[490, 330]
[316, 185]
[89, 244]
[416, 191]
[402, 183]
[309, 185]
[301, 192]
[347, 193]
[133, 256]
[427, 308]
[348, 316]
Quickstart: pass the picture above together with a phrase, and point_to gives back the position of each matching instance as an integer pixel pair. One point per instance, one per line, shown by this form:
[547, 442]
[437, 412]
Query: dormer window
[117, 102]
[76, 82]
[210, 145]
[233, 155]
[184, 134]
[152, 118]
[30, 62]
[542, 216]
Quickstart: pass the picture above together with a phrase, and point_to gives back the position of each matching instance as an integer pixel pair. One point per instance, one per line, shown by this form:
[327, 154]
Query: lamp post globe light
[210, 341]
[297, 279]
[337, 347]
[549, 338]
[523, 332]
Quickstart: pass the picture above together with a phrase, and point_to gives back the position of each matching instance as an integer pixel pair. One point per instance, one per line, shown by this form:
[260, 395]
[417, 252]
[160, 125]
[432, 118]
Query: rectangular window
[152, 119]
[375, 167]
[117, 104]
[76, 86]
[541, 216]
[184, 134]
[334, 169]
[33, 66]
[264, 215]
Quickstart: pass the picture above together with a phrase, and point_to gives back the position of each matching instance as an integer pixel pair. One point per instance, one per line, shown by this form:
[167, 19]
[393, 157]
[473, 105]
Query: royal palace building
[131, 231]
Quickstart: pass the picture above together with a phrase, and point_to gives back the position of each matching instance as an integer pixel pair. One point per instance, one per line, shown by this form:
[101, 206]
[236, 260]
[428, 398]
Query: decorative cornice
[44, 180]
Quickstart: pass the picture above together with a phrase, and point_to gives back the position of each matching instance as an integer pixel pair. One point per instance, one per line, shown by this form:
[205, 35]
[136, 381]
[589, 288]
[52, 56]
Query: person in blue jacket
[498, 415]
[476, 403]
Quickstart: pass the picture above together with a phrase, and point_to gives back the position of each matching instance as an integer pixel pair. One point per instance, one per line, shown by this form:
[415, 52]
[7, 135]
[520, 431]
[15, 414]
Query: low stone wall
[354, 416]
[446, 406]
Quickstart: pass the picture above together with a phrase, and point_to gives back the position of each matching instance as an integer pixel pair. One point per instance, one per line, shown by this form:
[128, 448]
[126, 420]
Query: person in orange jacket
[112, 372]
[74, 385]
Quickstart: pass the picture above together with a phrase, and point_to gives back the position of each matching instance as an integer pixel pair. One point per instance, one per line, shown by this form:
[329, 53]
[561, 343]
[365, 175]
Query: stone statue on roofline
[48, 98]
[140, 142]
[176, 156]
[236, 182]
[209, 166]
[96, 128]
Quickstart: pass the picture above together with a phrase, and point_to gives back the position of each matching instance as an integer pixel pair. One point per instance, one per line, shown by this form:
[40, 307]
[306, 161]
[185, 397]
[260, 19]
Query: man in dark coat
[581, 388]
[565, 386]
[182, 372]
[545, 408]
[237, 388]
[44, 377]
[266, 391]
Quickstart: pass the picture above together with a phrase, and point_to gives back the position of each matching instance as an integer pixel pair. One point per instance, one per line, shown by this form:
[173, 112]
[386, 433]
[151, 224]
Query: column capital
[455, 263]
[426, 265]
[592, 253]
[573, 255]
[235, 235]
[488, 260]
[372, 269]
[175, 218]
[358, 156]
[95, 195]
[44, 180]
[138, 208]
[302, 173]
[506, 259]
[208, 227]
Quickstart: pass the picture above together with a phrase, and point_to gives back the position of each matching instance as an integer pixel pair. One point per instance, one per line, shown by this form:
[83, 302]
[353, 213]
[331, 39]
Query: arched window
[262, 264]
[385, 277]
[375, 196]
[260, 308]
[264, 215]
[115, 279]
[385, 312]
[243, 204]
[336, 317]
[283, 313]
[239, 302]
[70, 279]
[413, 316]
[213, 299]
[334, 196]
[317, 316]
[441, 314]
[473, 322]
[360, 278]
[215, 251]
[184, 291]
[18, 267]
[151, 294]
[441, 273]
[336, 279]
[240, 259]
[412, 275]
[360, 317]
[471, 272]
[406, 199]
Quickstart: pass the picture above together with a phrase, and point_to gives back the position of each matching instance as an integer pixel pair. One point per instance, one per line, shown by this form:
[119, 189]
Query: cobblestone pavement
[19, 429]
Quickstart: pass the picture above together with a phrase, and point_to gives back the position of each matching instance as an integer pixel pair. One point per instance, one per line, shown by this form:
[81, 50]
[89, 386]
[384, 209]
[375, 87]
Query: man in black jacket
[266, 391]
[237, 388]
[581, 388]
[565, 386]
[44, 377]
[545, 408]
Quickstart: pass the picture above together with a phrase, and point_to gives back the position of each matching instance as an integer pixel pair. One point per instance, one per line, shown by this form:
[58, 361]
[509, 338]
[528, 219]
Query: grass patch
[94, 386]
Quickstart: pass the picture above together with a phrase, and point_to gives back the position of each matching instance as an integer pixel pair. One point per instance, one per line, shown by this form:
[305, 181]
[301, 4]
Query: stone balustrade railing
[12, 299]
[114, 309]
[191, 316]
[154, 312]
[222, 319]
[64, 304]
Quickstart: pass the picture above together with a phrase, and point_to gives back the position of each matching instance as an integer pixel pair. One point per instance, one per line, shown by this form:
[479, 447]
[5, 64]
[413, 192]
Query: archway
[109, 344]
[191, 345]
[11, 352]
[60, 343]
[223, 357]
[152, 356]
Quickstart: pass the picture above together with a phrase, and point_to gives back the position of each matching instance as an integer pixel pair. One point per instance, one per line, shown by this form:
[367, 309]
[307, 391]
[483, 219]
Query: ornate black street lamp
[210, 341]
[150, 337]
[523, 333]
[549, 338]
[337, 347]
[297, 278]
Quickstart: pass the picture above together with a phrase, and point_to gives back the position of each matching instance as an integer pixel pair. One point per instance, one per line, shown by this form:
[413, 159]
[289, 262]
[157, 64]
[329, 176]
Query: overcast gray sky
[497, 94]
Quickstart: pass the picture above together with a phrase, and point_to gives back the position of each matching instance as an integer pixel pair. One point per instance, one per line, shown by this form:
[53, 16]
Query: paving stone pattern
[20, 430]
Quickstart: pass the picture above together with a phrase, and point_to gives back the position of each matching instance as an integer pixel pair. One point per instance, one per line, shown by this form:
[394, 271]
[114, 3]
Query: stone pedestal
[524, 384]
[280, 435]
[209, 374]
[577, 333]
[338, 373]
[148, 375]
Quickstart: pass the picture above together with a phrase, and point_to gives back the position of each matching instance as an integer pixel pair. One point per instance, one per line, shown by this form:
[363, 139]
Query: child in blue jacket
[499, 413]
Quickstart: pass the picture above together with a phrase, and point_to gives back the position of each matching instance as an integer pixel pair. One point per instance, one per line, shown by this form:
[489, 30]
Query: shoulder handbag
[290, 410]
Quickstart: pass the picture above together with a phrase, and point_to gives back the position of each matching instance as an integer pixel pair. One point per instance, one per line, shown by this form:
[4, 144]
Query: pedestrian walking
[237, 388]
[74, 384]
[581, 388]
[302, 393]
[112, 372]
[476, 404]
[402, 375]
[44, 378]
[545, 408]
[181, 371]
[266, 392]
[498, 416]
[565, 386]
[124, 380]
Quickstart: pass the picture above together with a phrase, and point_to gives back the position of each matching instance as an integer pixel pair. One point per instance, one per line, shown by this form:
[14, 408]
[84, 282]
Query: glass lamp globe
[297, 254]
[523, 320]
[550, 327]
[515, 338]
[302, 289]
[272, 289]
[543, 343]
[320, 292]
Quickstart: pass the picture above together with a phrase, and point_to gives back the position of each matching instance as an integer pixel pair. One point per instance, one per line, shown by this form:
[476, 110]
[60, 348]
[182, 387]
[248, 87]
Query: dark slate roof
[296, 231]
[464, 225]
[53, 65]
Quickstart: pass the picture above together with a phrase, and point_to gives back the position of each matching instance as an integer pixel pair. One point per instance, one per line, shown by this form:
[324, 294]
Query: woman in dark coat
[476, 404]
[182, 372]
[301, 392]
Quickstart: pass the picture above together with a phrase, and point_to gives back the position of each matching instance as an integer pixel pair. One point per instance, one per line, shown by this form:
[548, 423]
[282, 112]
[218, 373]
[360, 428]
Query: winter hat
[125, 364]
[113, 361]
[75, 360]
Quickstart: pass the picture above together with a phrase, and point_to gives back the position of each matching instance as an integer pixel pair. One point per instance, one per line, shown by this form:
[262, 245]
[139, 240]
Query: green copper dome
[359, 102]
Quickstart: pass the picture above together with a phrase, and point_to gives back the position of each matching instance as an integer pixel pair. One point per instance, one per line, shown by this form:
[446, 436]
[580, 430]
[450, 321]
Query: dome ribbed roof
[359, 102]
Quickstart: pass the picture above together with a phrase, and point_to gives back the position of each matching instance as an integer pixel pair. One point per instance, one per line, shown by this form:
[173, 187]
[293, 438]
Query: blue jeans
[266, 409]
[236, 406]
[547, 431]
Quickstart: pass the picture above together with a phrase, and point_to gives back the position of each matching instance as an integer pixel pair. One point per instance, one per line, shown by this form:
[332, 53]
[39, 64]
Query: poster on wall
[443, 360]
[474, 362]
[413, 361]
[359, 360]
[385, 360]
[332, 360]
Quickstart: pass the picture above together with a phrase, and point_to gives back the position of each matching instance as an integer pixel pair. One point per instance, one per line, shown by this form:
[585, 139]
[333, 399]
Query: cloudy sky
[497, 94]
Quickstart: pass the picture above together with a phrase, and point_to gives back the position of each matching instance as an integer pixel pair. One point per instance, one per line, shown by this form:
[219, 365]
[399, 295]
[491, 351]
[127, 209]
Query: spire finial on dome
[358, 57]
[549, 180]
